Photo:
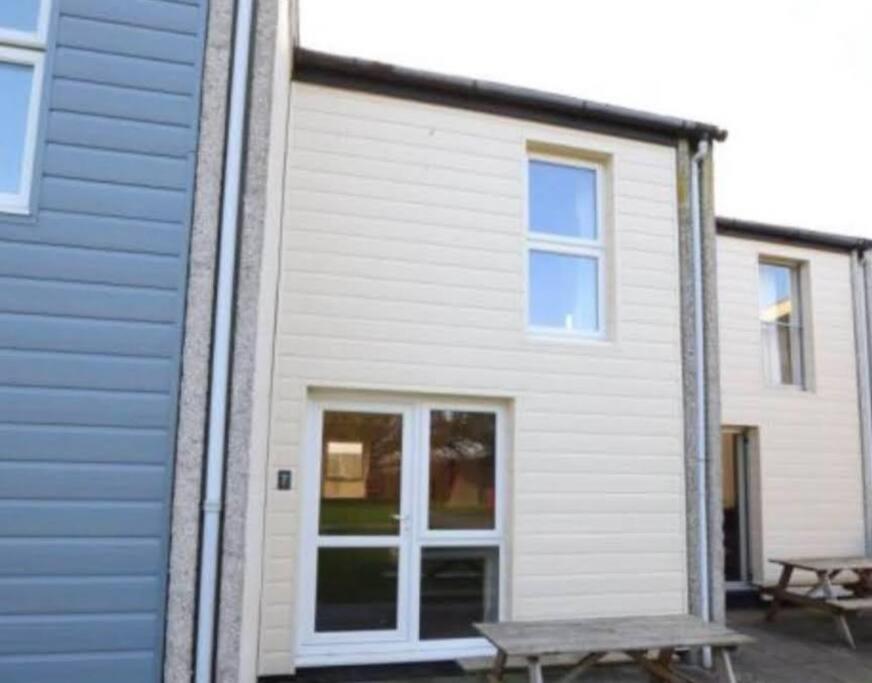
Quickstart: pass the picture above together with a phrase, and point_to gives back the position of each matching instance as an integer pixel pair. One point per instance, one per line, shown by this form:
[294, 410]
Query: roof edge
[768, 231]
[518, 102]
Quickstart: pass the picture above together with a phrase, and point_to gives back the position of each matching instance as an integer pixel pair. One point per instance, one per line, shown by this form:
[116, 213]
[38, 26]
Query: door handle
[399, 518]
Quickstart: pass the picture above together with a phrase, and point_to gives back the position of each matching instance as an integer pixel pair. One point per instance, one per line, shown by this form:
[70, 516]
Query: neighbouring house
[309, 360]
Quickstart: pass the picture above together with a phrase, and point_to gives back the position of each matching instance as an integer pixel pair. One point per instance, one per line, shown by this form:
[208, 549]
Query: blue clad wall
[92, 290]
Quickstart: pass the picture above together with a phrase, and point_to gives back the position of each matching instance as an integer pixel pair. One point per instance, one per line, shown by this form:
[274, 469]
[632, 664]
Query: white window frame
[27, 48]
[571, 246]
[798, 360]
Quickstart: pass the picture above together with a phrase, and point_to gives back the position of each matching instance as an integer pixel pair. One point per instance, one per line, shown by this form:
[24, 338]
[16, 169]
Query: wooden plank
[827, 564]
[608, 634]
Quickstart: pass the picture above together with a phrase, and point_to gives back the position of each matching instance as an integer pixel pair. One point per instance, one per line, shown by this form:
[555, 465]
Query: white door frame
[402, 644]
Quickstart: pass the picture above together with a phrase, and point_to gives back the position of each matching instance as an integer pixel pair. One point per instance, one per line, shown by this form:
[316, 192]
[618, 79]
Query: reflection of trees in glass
[366, 502]
[462, 455]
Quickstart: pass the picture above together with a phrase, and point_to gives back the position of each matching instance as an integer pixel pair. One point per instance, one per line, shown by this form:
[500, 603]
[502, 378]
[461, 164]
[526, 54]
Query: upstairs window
[565, 247]
[781, 324]
[23, 30]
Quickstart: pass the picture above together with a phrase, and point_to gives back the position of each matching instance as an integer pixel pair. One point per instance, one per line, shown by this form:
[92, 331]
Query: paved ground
[801, 647]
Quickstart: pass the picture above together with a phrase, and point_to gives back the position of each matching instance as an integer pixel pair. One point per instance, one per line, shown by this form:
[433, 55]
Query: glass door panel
[361, 534]
[360, 474]
[462, 470]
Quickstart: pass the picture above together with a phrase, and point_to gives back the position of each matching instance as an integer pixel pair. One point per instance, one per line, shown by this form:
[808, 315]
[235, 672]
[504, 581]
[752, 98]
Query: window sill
[559, 336]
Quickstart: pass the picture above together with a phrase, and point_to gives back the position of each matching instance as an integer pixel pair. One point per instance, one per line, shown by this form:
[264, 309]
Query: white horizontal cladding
[810, 471]
[403, 270]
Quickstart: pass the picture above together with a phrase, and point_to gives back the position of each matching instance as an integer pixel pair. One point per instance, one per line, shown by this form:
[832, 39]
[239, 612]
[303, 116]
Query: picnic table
[822, 595]
[593, 639]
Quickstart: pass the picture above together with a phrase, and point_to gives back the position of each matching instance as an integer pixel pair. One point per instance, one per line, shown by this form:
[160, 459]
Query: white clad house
[794, 457]
[477, 370]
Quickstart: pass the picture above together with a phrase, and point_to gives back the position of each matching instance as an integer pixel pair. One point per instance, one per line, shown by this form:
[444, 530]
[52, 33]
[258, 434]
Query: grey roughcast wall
[91, 309]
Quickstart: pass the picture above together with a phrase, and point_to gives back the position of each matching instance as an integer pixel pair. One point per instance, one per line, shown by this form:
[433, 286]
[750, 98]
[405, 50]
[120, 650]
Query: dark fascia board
[781, 233]
[495, 98]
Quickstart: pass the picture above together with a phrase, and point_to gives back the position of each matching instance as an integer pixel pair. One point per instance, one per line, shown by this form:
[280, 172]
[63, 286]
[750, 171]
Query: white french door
[402, 544]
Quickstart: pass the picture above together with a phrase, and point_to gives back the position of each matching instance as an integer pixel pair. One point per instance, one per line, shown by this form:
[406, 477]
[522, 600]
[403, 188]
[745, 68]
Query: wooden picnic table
[593, 639]
[822, 595]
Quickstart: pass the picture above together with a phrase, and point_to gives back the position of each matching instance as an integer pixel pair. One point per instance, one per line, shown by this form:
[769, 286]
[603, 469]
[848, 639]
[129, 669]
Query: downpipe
[219, 380]
[701, 413]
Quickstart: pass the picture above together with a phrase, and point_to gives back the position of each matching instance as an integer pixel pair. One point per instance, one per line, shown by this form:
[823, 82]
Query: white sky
[790, 79]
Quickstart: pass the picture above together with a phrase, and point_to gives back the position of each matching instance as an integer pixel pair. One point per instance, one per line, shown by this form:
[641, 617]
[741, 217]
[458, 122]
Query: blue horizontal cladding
[32, 557]
[75, 481]
[131, 41]
[108, 667]
[99, 232]
[123, 135]
[92, 371]
[154, 14]
[64, 297]
[112, 337]
[114, 199]
[78, 443]
[83, 97]
[55, 595]
[38, 405]
[87, 265]
[135, 73]
[38, 634]
[77, 518]
[92, 296]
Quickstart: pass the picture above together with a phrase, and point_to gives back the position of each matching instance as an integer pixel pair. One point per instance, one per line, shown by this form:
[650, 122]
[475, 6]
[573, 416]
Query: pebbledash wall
[91, 309]
[403, 270]
[807, 470]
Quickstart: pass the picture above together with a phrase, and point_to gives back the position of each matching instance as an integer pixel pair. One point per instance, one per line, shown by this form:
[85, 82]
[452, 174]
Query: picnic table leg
[783, 582]
[534, 668]
[841, 619]
[727, 674]
[499, 666]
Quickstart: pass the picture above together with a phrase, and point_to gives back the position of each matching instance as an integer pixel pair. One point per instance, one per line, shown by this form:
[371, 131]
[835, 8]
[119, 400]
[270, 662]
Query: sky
[791, 80]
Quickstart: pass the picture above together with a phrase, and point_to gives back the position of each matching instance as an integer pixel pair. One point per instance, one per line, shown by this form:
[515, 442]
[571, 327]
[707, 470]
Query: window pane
[360, 473]
[563, 291]
[782, 354]
[462, 469]
[20, 15]
[459, 587]
[562, 200]
[776, 293]
[16, 81]
[357, 589]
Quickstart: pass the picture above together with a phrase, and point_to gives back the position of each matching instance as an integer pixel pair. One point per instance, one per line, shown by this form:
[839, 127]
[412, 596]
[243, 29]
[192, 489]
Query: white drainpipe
[221, 345]
[701, 445]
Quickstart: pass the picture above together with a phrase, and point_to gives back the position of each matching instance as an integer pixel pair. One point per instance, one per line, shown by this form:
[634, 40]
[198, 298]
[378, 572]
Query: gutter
[768, 231]
[219, 379]
[701, 407]
[496, 98]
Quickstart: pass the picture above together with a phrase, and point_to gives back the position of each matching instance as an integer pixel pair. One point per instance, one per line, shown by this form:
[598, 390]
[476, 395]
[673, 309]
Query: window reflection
[360, 480]
[462, 469]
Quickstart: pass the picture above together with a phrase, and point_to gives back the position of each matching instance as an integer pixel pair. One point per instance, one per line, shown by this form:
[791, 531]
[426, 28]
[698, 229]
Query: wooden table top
[612, 634]
[827, 564]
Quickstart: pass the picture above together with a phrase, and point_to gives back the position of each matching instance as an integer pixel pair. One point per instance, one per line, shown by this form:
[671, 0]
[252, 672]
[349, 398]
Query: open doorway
[737, 506]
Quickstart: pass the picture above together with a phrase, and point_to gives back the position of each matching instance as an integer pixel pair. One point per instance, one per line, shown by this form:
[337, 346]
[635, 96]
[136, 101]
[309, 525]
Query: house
[794, 396]
[309, 360]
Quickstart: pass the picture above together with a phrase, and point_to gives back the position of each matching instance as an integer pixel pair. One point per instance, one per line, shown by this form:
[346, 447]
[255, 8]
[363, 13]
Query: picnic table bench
[593, 639]
[822, 595]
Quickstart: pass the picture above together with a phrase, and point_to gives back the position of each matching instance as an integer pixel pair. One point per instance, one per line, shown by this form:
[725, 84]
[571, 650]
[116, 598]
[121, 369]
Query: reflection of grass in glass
[452, 517]
[358, 517]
